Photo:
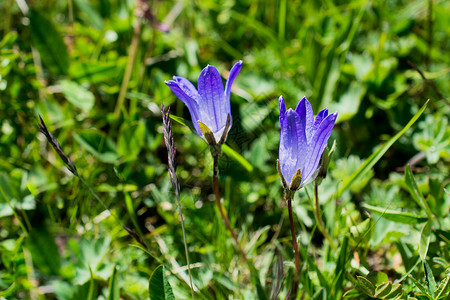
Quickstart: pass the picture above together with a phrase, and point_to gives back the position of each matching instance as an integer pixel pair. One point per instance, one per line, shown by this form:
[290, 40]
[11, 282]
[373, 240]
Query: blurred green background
[95, 71]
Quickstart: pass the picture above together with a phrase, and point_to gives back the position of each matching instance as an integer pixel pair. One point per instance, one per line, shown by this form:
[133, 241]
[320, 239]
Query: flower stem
[215, 151]
[288, 197]
[319, 220]
[215, 155]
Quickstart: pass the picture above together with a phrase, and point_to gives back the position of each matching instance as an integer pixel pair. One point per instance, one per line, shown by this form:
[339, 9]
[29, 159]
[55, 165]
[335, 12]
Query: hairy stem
[319, 220]
[288, 195]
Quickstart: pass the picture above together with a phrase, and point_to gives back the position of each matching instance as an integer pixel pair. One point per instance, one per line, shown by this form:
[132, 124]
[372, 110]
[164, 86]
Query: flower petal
[319, 141]
[305, 111]
[191, 103]
[187, 87]
[212, 105]
[319, 118]
[282, 108]
[293, 145]
[233, 73]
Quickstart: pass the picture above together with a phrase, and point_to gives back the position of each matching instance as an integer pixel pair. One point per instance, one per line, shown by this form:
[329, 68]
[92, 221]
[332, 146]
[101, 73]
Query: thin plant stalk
[129, 67]
[319, 220]
[215, 152]
[288, 197]
[24, 229]
[171, 151]
[177, 191]
[219, 204]
[72, 168]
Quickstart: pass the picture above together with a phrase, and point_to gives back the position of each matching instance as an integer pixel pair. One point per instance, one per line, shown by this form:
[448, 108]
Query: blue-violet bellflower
[209, 106]
[303, 138]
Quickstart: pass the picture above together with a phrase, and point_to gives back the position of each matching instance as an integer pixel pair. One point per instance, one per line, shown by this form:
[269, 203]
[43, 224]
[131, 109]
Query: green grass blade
[415, 192]
[91, 292]
[341, 268]
[425, 237]
[376, 156]
[237, 157]
[429, 279]
[114, 290]
[225, 148]
[396, 216]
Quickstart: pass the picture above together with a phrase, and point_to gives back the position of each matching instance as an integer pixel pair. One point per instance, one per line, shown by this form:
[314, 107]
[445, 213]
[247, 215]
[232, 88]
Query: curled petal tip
[334, 115]
[281, 105]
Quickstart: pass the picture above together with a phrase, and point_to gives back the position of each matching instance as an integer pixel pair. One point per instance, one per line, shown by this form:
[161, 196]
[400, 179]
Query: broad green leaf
[422, 297]
[425, 237]
[346, 166]
[63, 290]
[49, 43]
[131, 140]
[396, 216]
[376, 156]
[396, 291]
[98, 144]
[349, 101]
[352, 294]
[429, 279]
[377, 278]
[78, 95]
[419, 286]
[434, 139]
[114, 289]
[415, 192]
[383, 289]
[443, 290]
[159, 287]
[90, 260]
[366, 286]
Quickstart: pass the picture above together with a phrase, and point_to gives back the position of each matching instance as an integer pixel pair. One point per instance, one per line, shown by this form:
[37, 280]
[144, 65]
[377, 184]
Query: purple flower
[302, 141]
[210, 105]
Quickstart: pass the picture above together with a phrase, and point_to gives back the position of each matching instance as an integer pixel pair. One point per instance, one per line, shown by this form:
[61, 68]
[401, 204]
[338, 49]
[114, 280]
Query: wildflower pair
[303, 137]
